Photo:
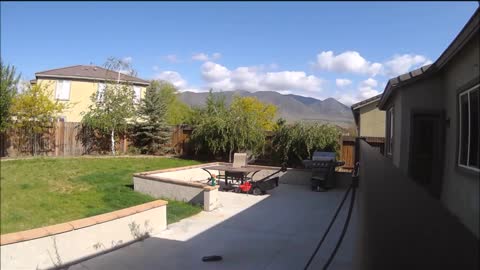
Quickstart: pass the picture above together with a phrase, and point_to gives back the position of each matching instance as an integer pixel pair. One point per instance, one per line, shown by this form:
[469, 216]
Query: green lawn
[46, 191]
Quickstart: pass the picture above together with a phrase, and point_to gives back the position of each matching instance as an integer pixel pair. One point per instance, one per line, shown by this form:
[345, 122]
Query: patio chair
[239, 160]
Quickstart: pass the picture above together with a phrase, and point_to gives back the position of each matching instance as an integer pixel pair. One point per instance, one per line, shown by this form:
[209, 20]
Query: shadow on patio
[277, 231]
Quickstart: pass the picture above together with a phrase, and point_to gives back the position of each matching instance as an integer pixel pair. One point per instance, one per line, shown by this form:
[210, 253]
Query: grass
[46, 191]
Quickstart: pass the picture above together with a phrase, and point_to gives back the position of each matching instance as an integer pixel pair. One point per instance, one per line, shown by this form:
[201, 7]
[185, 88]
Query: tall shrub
[34, 111]
[240, 127]
[296, 142]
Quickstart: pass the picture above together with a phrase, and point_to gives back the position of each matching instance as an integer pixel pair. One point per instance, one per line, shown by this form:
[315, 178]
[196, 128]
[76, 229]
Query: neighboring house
[369, 119]
[433, 123]
[76, 85]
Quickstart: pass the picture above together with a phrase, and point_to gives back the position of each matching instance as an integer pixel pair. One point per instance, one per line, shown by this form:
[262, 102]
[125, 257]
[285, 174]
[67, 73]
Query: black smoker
[323, 170]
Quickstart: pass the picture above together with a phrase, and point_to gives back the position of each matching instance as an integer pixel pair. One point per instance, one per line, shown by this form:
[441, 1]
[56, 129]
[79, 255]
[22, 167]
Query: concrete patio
[275, 231]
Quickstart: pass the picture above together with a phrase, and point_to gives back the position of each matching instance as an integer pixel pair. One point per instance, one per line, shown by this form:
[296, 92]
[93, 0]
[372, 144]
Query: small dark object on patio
[212, 258]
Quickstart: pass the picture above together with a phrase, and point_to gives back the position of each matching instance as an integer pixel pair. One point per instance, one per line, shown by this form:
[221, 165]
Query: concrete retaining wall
[69, 242]
[156, 185]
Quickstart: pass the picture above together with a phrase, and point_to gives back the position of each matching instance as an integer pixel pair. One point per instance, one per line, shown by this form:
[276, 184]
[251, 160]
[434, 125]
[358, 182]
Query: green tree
[113, 109]
[34, 111]
[177, 111]
[8, 89]
[225, 130]
[151, 131]
[210, 126]
[263, 112]
[294, 143]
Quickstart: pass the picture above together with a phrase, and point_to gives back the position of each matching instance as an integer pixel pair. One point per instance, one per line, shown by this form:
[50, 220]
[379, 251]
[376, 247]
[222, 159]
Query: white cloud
[213, 72]
[254, 78]
[200, 57]
[172, 58]
[347, 99]
[343, 82]
[287, 80]
[370, 82]
[347, 62]
[400, 64]
[205, 57]
[173, 77]
[353, 62]
[366, 89]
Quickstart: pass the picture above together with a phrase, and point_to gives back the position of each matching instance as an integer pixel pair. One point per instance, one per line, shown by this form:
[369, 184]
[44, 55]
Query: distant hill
[290, 107]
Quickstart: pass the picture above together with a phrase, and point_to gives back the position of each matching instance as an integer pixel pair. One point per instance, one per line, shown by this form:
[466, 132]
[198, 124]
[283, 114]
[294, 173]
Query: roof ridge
[57, 69]
[76, 68]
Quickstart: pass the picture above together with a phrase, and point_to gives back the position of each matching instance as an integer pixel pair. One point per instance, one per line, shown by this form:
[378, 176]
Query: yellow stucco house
[369, 119]
[76, 85]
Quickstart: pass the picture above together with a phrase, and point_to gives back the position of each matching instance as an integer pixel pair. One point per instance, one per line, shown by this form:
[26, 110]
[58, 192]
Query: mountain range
[290, 107]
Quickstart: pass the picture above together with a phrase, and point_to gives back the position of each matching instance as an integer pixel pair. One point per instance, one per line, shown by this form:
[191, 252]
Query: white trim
[467, 162]
[101, 94]
[469, 168]
[137, 94]
[60, 94]
[469, 129]
[390, 128]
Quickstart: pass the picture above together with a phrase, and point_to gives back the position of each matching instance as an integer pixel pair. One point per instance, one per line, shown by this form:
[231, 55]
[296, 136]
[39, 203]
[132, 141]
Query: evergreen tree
[151, 132]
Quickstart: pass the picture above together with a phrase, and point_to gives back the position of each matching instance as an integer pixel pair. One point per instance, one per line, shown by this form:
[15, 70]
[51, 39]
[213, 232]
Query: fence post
[55, 144]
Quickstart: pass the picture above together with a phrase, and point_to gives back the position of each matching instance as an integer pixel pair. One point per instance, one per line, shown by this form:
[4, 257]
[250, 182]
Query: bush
[221, 130]
[296, 142]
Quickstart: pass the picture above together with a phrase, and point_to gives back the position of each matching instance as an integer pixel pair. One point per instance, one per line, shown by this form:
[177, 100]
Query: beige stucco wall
[422, 96]
[460, 187]
[372, 121]
[440, 93]
[41, 253]
[80, 96]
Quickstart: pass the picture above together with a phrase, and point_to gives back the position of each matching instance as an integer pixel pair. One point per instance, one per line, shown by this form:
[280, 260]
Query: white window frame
[390, 120]
[61, 84]
[137, 96]
[466, 92]
[100, 94]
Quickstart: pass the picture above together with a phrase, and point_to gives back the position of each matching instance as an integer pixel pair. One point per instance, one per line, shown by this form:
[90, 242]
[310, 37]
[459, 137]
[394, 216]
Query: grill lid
[324, 156]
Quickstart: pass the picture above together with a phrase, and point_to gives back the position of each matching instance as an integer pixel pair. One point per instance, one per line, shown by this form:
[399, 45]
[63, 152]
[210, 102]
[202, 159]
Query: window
[136, 94]
[469, 125]
[101, 92]
[390, 131]
[62, 91]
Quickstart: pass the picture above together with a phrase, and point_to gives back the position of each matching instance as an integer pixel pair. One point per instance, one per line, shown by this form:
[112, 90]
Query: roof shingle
[89, 72]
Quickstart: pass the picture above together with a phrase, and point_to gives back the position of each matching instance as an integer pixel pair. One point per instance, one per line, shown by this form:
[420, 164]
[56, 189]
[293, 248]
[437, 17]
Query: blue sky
[345, 50]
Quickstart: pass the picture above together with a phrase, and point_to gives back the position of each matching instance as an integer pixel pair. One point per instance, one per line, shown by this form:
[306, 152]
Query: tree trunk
[113, 142]
[230, 154]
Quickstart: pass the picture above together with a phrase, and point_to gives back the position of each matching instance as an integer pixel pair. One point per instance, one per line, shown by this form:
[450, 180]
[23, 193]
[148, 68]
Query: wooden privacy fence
[347, 149]
[59, 139]
[64, 139]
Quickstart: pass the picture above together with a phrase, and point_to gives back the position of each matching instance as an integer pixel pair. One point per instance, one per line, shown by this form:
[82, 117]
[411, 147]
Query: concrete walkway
[275, 231]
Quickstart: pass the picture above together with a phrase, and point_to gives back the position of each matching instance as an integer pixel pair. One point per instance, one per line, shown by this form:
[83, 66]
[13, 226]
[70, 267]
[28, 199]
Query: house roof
[89, 72]
[468, 32]
[365, 102]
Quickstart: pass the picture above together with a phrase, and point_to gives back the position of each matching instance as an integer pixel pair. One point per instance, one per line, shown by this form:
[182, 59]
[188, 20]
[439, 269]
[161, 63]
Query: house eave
[40, 76]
